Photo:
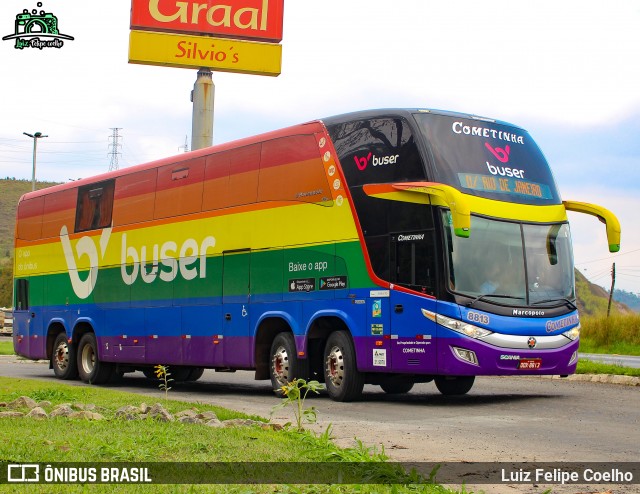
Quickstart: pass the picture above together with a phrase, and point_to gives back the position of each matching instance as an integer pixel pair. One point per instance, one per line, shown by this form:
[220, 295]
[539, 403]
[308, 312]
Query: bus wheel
[195, 373]
[63, 358]
[452, 385]
[91, 370]
[178, 373]
[284, 365]
[396, 386]
[149, 373]
[344, 381]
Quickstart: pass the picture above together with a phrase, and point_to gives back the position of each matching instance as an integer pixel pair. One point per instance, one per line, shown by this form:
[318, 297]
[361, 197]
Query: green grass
[6, 346]
[27, 440]
[618, 334]
[589, 367]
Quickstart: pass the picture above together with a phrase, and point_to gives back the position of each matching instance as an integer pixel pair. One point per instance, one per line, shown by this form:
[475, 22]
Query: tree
[6, 284]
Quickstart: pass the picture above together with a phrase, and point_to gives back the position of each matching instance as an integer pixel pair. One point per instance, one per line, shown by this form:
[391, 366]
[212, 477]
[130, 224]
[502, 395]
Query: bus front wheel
[454, 385]
[396, 386]
[63, 358]
[343, 380]
[90, 368]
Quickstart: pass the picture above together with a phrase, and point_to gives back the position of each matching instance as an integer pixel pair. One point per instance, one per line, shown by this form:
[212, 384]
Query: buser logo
[85, 246]
[362, 163]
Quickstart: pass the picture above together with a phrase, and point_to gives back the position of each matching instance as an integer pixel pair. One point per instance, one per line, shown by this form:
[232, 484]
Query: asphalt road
[527, 418]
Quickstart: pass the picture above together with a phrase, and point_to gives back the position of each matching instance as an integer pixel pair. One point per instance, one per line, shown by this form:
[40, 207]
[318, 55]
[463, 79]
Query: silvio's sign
[240, 19]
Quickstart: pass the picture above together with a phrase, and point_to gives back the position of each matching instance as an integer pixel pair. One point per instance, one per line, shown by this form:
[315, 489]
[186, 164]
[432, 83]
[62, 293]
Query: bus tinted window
[291, 169]
[379, 150]
[59, 211]
[488, 159]
[135, 197]
[30, 218]
[95, 206]
[179, 189]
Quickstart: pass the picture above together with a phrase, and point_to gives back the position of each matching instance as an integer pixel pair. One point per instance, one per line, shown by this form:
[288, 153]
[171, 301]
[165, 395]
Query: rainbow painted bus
[387, 247]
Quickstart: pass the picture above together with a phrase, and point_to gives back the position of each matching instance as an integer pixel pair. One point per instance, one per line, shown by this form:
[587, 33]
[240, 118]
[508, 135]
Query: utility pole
[35, 136]
[114, 144]
[185, 146]
[202, 119]
[613, 284]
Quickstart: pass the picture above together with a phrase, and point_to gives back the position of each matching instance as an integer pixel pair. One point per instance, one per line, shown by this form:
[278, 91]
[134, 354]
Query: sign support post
[202, 97]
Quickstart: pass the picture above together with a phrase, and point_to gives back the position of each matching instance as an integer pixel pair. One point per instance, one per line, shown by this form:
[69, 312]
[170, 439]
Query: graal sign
[240, 19]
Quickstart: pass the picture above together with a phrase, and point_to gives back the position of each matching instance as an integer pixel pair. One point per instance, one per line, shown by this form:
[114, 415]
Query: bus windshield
[488, 159]
[512, 264]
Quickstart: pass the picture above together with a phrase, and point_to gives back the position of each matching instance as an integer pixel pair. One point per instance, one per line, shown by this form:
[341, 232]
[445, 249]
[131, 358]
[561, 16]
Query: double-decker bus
[387, 247]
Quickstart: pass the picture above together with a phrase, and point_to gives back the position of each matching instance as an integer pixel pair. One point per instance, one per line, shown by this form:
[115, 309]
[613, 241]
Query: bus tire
[178, 373]
[195, 373]
[284, 364]
[90, 368]
[454, 385]
[150, 373]
[343, 380]
[396, 386]
[63, 358]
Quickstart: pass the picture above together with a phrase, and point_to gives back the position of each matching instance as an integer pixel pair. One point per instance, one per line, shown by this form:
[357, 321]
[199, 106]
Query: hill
[10, 192]
[631, 300]
[592, 299]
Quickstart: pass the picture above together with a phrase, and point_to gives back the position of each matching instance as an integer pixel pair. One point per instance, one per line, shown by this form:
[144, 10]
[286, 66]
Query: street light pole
[35, 138]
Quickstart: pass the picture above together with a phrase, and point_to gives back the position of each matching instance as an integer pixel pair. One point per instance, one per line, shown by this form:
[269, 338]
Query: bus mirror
[552, 249]
[604, 215]
[436, 193]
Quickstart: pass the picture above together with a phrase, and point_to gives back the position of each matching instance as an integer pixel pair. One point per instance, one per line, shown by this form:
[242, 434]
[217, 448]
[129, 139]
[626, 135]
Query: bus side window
[179, 189]
[95, 206]
[231, 178]
[291, 169]
[135, 197]
[59, 211]
[216, 182]
[22, 295]
[244, 165]
[30, 219]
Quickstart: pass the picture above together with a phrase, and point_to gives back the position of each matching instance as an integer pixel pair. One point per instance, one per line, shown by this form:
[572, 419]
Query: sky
[568, 72]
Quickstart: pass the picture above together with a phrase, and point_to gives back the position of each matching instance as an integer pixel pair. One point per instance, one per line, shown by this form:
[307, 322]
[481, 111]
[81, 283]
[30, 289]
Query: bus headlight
[573, 333]
[462, 327]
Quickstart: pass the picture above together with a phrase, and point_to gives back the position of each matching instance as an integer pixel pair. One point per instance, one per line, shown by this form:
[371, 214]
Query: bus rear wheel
[90, 368]
[284, 364]
[63, 358]
[343, 380]
[454, 385]
[195, 373]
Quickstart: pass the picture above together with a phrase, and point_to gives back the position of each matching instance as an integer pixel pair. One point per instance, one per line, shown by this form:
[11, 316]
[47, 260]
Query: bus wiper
[495, 295]
[566, 300]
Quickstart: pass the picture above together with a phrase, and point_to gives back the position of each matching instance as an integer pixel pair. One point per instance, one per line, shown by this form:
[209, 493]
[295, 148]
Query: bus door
[28, 331]
[413, 335]
[235, 308]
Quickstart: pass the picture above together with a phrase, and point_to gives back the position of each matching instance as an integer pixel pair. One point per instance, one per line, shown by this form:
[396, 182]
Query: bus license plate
[529, 363]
